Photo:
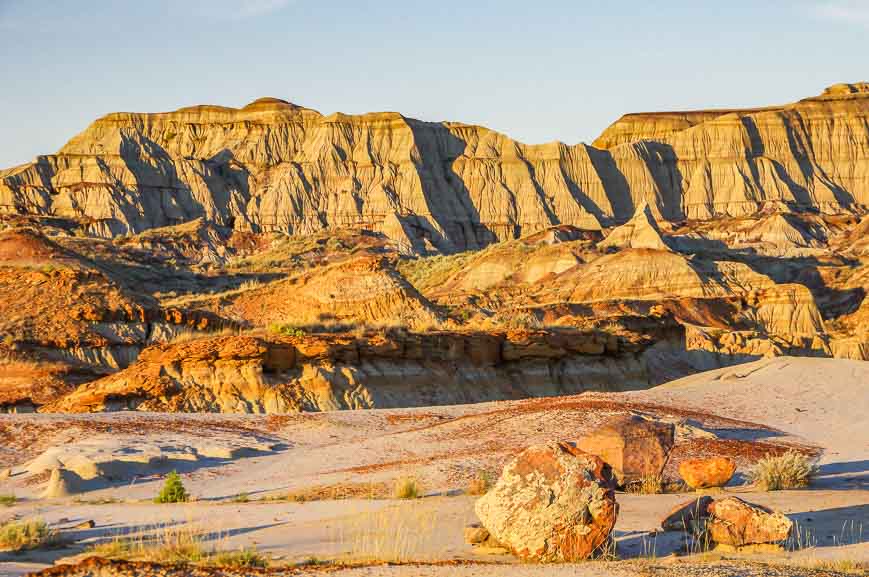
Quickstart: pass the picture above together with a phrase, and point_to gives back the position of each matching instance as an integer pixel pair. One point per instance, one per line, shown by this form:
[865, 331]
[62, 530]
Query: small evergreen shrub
[173, 490]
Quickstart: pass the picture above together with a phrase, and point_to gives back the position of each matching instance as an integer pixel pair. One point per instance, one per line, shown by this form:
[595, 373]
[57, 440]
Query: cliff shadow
[663, 165]
[615, 186]
[447, 197]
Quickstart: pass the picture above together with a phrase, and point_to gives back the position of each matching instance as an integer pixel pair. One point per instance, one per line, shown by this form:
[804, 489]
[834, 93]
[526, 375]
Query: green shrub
[286, 329]
[792, 470]
[8, 500]
[173, 490]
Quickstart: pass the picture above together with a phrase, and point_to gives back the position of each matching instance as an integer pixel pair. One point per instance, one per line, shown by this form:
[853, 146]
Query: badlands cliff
[271, 259]
[275, 166]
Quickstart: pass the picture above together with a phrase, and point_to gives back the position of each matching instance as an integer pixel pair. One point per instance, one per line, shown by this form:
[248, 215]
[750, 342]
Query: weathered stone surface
[633, 446]
[552, 503]
[705, 473]
[737, 523]
[685, 515]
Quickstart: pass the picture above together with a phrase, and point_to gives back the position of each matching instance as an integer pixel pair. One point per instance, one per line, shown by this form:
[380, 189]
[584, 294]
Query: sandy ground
[810, 403]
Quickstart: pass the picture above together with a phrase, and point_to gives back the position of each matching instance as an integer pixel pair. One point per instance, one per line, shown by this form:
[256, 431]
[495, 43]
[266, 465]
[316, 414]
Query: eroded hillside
[270, 259]
[275, 166]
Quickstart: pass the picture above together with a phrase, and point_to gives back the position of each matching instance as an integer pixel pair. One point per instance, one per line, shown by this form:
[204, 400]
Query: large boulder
[734, 522]
[552, 503]
[706, 473]
[633, 446]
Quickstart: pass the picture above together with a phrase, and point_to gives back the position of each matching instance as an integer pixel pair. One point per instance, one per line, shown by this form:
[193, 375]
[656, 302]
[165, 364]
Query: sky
[537, 70]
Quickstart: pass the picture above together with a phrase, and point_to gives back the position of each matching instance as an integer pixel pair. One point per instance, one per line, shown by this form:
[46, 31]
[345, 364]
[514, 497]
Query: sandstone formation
[685, 242]
[737, 523]
[705, 473]
[640, 232]
[635, 448]
[273, 165]
[245, 374]
[551, 503]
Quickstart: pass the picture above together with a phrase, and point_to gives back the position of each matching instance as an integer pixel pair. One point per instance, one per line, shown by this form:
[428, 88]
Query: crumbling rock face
[273, 165]
[249, 374]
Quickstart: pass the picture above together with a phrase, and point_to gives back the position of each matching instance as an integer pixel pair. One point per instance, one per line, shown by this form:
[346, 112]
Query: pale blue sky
[538, 70]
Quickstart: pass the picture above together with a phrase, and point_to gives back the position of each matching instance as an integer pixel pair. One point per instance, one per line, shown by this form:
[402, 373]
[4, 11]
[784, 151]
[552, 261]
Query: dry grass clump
[648, 485]
[395, 534]
[480, 484]
[337, 492]
[847, 566]
[8, 500]
[187, 335]
[243, 558]
[171, 545]
[407, 488]
[23, 535]
[791, 470]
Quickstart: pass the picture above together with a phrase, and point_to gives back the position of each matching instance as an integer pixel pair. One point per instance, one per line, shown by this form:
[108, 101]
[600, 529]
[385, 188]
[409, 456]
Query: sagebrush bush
[407, 488]
[791, 470]
[21, 535]
[173, 490]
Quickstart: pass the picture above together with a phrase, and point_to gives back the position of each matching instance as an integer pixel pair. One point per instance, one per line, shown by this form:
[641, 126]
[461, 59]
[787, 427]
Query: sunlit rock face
[273, 165]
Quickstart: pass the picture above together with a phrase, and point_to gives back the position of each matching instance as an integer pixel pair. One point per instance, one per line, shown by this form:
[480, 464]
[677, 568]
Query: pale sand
[831, 396]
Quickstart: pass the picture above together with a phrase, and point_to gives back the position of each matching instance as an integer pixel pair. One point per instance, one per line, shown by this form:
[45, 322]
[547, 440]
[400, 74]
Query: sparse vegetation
[407, 488]
[184, 544]
[394, 534]
[286, 329]
[791, 470]
[649, 485]
[847, 566]
[173, 490]
[186, 335]
[243, 558]
[8, 500]
[241, 498]
[23, 535]
[480, 484]
[430, 272]
[170, 545]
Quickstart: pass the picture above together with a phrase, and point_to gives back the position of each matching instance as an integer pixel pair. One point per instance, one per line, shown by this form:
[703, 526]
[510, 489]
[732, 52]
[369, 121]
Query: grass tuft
[649, 485]
[407, 488]
[23, 535]
[8, 500]
[243, 558]
[480, 484]
[792, 470]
